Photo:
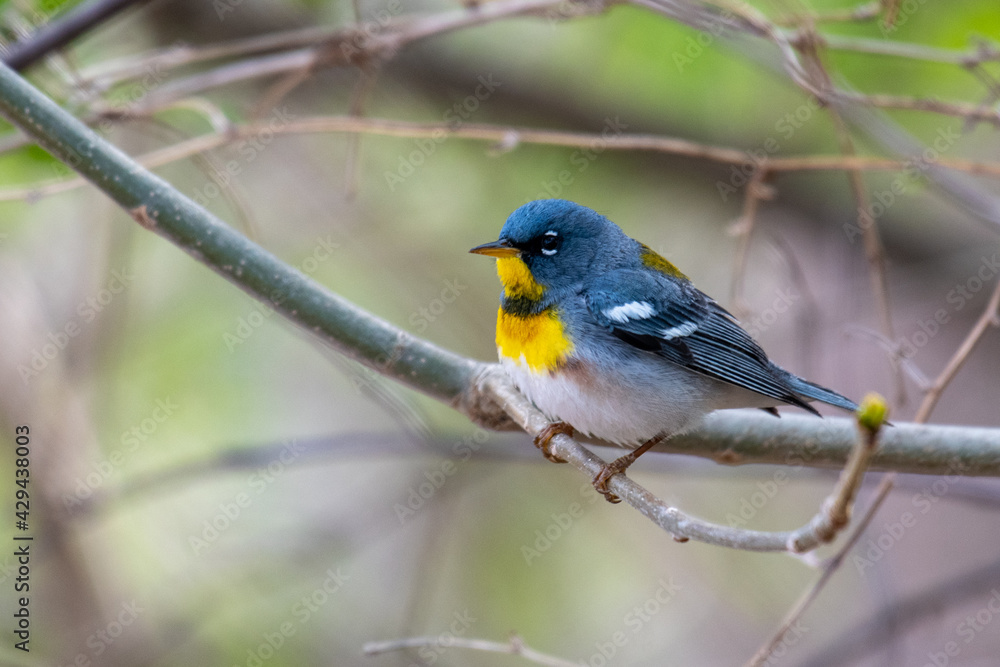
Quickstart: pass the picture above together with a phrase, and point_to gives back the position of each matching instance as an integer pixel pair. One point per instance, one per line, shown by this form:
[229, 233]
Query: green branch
[160, 208]
[467, 385]
[743, 437]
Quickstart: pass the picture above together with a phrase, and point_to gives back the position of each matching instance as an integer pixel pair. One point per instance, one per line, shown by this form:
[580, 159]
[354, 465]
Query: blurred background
[212, 486]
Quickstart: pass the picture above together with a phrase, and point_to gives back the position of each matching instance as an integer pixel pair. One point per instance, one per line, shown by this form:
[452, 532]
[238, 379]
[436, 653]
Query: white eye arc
[550, 243]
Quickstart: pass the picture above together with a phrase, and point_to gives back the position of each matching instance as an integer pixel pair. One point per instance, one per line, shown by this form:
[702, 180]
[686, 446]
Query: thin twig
[493, 134]
[63, 30]
[836, 510]
[909, 51]
[103, 75]
[864, 12]
[514, 646]
[829, 569]
[323, 49]
[967, 111]
[790, 44]
[756, 191]
[822, 528]
[874, 250]
[482, 392]
[362, 90]
[624, 142]
[922, 608]
[891, 11]
[989, 318]
[279, 90]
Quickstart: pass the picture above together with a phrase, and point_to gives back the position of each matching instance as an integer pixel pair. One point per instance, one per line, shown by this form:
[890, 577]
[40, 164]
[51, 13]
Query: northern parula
[608, 338]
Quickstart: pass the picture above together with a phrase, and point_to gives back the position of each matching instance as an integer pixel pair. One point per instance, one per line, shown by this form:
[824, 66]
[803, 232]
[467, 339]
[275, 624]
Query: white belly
[630, 407]
[605, 407]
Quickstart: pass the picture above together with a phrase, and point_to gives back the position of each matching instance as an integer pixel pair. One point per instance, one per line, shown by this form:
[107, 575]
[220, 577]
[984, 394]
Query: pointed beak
[501, 248]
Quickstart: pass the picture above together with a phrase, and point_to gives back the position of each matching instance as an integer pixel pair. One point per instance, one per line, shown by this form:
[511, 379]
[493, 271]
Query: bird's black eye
[550, 243]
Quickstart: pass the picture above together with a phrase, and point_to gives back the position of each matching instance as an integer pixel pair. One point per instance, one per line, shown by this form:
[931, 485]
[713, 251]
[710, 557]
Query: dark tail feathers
[814, 392]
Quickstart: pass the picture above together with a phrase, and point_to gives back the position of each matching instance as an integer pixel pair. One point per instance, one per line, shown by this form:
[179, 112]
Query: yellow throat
[535, 339]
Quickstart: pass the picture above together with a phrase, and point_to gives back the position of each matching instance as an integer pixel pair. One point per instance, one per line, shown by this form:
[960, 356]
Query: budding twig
[831, 518]
[831, 566]
[989, 318]
[514, 646]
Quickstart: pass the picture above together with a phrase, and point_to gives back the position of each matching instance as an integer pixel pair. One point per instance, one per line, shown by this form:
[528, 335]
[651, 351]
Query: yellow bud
[872, 411]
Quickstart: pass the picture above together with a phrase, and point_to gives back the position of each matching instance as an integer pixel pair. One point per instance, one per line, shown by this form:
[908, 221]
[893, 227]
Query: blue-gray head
[559, 241]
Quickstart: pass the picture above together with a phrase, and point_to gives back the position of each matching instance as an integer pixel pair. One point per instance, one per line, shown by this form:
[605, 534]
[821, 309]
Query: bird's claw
[549, 432]
[601, 479]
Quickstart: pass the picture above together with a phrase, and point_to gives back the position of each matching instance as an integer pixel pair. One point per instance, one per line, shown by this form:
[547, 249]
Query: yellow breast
[536, 340]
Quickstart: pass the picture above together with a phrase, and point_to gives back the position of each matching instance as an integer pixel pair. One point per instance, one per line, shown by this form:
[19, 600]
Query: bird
[609, 339]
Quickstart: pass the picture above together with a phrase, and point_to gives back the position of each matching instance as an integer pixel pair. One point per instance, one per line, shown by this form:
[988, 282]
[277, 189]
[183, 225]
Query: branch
[340, 46]
[989, 318]
[507, 135]
[515, 646]
[480, 391]
[829, 568]
[325, 46]
[63, 30]
[874, 249]
[822, 528]
[756, 191]
[981, 53]
[745, 437]
[904, 615]
[159, 208]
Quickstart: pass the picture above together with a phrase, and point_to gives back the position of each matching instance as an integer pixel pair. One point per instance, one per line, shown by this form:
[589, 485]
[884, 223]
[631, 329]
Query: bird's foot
[620, 465]
[609, 470]
[549, 432]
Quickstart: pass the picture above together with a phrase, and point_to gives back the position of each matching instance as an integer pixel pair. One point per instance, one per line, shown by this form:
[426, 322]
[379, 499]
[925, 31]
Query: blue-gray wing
[672, 318]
